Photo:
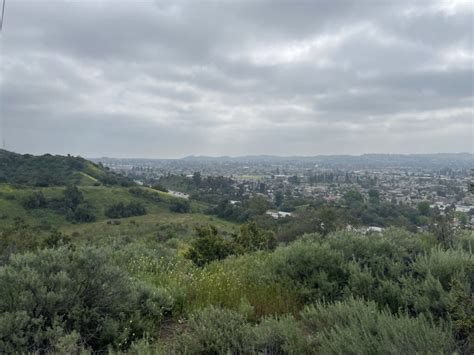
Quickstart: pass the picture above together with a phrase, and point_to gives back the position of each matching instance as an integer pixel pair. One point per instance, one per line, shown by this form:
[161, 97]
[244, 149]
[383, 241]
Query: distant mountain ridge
[458, 160]
[55, 170]
[369, 155]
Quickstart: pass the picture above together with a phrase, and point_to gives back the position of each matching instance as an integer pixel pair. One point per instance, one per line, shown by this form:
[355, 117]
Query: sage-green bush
[359, 327]
[280, 335]
[317, 270]
[61, 294]
[214, 330]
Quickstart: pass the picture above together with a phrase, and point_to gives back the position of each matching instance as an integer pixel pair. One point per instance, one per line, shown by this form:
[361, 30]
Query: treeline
[309, 216]
[241, 211]
[54, 170]
[210, 189]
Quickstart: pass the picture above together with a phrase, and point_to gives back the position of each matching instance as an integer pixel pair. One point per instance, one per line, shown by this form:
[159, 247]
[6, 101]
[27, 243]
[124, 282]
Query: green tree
[251, 238]
[353, 198]
[257, 205]
[374, 196]
[279, 198]
[208, 246]
[197, 179]
[441, 227]
[34, 201]
[424, 208]
[159, 187]
[462, 217]
[180, 206]
[72, 196]
[81, 214]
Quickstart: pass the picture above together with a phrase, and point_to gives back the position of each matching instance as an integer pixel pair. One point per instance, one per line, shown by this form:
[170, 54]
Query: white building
[178, 194]
[278, 214]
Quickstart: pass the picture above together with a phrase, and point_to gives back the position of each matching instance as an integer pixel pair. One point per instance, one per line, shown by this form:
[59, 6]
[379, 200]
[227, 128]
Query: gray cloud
[172, 78]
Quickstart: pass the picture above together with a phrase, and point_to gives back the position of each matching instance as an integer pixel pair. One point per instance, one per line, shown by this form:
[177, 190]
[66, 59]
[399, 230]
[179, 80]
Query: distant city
[443, 180]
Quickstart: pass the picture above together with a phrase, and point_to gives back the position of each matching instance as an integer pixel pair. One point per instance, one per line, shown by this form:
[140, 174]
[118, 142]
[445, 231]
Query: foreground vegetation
[395, 292]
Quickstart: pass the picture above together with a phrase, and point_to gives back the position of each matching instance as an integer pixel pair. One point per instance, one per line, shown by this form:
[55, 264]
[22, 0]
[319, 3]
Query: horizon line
[281, 156]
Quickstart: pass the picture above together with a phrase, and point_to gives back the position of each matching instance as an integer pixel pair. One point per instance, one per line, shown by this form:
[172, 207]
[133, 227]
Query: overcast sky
[175, 78]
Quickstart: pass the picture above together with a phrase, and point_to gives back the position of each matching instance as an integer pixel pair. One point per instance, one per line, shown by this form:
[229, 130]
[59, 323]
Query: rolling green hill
[23, 227]
[50, 192]
[97, 198]
[55, 170]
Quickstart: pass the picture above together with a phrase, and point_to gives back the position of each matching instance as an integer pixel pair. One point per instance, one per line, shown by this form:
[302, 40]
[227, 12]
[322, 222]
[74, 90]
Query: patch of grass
[151, 228]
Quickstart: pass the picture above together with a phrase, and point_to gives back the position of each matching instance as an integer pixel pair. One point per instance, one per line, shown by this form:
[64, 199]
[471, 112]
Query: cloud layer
[172, 78]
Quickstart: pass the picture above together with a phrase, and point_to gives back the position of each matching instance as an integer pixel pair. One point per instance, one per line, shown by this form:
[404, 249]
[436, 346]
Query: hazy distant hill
[441, 160]
[396, 160]
[55, 170]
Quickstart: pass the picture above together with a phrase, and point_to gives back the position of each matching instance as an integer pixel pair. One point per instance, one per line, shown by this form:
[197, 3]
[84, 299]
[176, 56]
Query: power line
[3, 13]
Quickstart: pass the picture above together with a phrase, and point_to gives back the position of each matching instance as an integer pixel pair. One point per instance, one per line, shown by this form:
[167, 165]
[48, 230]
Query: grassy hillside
[170, 230]
[99, 198]
[43, 194]
[23, 228]
[55, 170]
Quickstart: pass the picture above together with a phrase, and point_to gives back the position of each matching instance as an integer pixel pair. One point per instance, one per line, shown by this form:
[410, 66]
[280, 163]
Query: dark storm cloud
[172, 78]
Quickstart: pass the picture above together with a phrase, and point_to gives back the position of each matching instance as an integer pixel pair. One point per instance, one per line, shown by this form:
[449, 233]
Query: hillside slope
[48, 192]
[97, 199]
[55, 170]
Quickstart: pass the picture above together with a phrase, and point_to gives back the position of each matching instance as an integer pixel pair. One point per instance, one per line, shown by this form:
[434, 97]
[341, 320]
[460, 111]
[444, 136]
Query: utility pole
[4, 145]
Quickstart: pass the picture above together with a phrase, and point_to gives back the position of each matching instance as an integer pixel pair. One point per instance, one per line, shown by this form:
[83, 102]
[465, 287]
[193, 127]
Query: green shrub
[217, 331]
[82, 213]
[72, 197]
[280, 336]
[56, 239]
[180, 206]
[462, 315]
[121, 210]
[17, 238]
[34, 201]
[425, 295]
[446, 265]
[159, 187]
[388, 254]
[51, 296]
[359, 327]
[317, 270]
[209, 245]
[465, 240]
[251, 238]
